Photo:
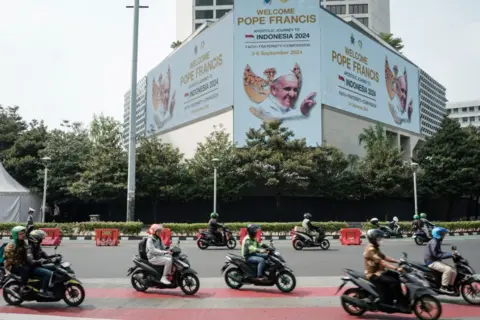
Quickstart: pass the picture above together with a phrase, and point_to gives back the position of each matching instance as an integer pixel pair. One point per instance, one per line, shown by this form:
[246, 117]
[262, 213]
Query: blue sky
[70, 59]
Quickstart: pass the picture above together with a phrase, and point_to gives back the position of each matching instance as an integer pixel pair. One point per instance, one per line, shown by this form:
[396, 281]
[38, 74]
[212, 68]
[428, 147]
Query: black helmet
[252, 230]
[373, 235]
[36, 236]
[307, 216]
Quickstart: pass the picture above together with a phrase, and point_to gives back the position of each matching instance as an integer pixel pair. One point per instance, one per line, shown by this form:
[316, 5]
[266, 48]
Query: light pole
[45, 160]
[414, 167]
[215, 161]
[132, 144]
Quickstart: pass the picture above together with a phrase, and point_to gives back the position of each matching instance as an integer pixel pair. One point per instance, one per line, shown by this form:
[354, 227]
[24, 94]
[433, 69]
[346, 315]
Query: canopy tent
[15, 199]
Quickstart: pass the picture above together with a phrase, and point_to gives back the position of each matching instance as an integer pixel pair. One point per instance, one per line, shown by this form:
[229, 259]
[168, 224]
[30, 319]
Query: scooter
[420, 237]
[243, 273]
[207, 239]
[363, 297]
[395, 228]
[464, 282]
[302, 240]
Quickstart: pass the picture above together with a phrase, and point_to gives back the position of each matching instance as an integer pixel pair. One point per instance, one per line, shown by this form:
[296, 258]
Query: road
[110, 296]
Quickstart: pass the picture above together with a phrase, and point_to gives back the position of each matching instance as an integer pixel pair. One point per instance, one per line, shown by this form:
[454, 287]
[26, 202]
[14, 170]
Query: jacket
[15, 255]
[250, 246]
[155, 247]
[427, 223]
[34, 254]
[213, 225]
[433, 252]
[373, 257]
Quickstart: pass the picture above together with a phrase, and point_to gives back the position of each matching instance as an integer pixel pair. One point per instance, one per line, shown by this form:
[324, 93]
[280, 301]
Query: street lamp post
[414, 167]
[215, 161]
[45, 179]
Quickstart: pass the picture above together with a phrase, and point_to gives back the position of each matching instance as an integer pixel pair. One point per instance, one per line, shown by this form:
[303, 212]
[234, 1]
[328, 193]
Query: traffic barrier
[350, 237]
[107, 237]
[166, 236]
[243, 234]
[52, 237]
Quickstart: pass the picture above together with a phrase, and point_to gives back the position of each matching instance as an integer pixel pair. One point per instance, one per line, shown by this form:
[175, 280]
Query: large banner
[195, 81]
[277, 67]
[364, 78]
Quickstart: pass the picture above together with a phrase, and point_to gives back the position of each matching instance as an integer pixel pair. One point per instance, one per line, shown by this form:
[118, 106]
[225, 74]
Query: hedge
[81, 228]
[457, 226]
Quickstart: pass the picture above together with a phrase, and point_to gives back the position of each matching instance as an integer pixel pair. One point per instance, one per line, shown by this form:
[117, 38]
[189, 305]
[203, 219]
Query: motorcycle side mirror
[178, 242]
[405, 255]
[454, 248]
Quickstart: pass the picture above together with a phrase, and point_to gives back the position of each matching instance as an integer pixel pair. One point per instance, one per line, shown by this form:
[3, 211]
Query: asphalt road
[90, 261]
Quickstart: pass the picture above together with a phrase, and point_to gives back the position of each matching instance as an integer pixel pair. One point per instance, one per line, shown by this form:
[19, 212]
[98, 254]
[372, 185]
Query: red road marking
[449, 311]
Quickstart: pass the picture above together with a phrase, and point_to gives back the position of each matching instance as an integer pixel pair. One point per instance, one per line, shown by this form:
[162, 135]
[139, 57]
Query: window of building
[464, 109]
[364, 21]
[197, 25]
[202, 3]
[221, 13]
[357, 8]
[449, 111]
[455, 110]
[465, 119]
[472, 118]
[471, 109]
[204, 14]
[225, 2]
[341, 9]
[478, 118]
[478, 108]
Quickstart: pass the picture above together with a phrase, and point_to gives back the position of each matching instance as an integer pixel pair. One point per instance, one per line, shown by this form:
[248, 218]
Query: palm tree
[175, 44]
[373, 137]
[396, 43]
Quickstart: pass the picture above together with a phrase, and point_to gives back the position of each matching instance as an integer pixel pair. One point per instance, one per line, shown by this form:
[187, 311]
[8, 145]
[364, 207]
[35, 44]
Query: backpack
[2, 250]
[142, 248]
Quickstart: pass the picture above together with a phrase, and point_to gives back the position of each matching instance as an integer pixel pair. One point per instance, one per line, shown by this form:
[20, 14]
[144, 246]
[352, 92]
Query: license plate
[225, 267]
[341, 287]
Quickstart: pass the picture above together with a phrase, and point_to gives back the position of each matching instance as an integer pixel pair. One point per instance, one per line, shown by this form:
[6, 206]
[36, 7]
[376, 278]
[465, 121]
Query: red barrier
[166, 236]
[52, 237]
[107, 237]
[350, 237]
[243, 234]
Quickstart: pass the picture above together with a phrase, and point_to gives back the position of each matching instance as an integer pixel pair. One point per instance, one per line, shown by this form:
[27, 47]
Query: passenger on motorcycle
[387, 282]
[427, 225]
[252, 250]
[213, 226]
[433, 259]
[15, 254]
[316, 233]
[36, 258]
[157, 253]
[417, 224]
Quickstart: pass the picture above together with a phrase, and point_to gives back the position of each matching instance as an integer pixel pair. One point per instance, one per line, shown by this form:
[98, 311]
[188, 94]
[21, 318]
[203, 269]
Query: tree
[175, 44]
[395, 43]
[103, 173]
[11, 125]
[230, 180]
[275, 159]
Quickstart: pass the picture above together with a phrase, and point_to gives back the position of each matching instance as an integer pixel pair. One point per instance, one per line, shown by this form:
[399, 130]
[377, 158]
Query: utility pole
[133, 116]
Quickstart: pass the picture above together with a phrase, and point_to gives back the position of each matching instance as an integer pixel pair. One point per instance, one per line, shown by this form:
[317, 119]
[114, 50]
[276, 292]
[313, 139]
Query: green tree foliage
[175, 44]
[11, 125]
[396, 43]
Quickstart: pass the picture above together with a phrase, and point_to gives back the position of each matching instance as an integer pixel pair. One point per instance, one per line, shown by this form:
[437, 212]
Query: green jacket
[250, 246]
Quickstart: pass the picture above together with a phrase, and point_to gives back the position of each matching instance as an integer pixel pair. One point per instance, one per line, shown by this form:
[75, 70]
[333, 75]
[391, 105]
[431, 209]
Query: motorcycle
[362, 298]
[302, 240]
[420, 237]
[65, 285]
[207, 239]
[464, 281]
[276, 272]
[145, 275]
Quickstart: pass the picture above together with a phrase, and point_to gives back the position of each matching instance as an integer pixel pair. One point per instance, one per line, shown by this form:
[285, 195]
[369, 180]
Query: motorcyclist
[157, 254]
[433, 259]
[427, 225]
[36, 257]
[30, 217]
[315, 232]
[387, 282]
[417, 224]
[213, 226]
[15, 254]
[374, 221]
[253, 251]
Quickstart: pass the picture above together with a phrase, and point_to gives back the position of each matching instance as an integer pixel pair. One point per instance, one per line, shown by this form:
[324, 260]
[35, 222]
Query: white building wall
[467, 113]
[184, 22]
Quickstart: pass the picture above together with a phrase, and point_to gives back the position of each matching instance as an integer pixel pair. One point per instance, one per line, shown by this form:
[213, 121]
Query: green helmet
[16, 230]
[416, 217]
[423, 215]
[214, 215]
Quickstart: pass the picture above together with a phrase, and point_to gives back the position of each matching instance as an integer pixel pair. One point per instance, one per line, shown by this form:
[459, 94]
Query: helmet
[423, 215]
[307, 216]
[214, 215]
[438, 231]
[252, 230]
[36, 236]
[30, 210]
[374, 221]
[373, 235]
[416, 217]
[154, 228]
[16, 230]
[395, 219]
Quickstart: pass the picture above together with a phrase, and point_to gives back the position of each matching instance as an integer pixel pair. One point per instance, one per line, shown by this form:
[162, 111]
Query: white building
[465, 112]
[191, 14]
[433, 102]
[141, 111]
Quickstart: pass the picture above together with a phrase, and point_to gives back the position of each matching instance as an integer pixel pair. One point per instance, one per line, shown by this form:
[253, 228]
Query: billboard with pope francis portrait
[277, 67]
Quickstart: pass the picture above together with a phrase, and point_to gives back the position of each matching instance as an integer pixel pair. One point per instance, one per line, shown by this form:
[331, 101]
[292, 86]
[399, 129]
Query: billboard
[362, 77]
[195, 81]
[277, 67]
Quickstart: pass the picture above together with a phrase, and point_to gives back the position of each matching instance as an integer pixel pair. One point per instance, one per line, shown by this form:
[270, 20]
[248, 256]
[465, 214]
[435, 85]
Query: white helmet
[395, 219]
[374, 221]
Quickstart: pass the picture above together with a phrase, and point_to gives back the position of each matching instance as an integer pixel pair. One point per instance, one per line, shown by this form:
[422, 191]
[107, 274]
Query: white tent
[15, 199]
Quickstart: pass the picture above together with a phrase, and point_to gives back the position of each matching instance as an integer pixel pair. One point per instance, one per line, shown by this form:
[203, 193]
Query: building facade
[141, 111]
[433, 100]
[467, 113]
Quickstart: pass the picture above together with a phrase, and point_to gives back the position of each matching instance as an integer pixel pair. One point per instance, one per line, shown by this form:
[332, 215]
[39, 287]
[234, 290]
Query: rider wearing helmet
[427, 225]
[213, 226]
[433, 259]
[30, 217]
[36, 257]
[417, 224]
[157, 254]
[315, 232]
[376, 262]
[16, 254]
[252, 250]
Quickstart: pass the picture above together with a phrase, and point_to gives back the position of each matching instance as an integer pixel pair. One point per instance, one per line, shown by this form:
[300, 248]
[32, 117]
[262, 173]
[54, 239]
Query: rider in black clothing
[213, 226]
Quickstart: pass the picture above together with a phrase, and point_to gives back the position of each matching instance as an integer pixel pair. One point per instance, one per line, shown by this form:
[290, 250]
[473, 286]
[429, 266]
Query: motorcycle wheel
[466, 289]
[9, 298]
[419, 241]
[357, 294]
[325, 244]
[76, 294]
[420, 303]
[233, 273]
[279, 281]
[136, 284]
[231, 243]
[202, 245]
[189, 283]
[298, 244]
